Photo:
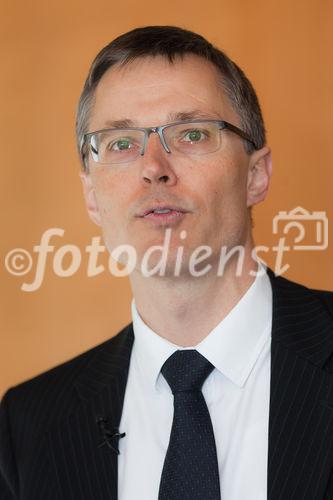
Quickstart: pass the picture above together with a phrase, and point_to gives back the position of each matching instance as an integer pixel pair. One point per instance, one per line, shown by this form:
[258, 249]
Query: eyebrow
[192, 115]
[172, 117]
[124, 123]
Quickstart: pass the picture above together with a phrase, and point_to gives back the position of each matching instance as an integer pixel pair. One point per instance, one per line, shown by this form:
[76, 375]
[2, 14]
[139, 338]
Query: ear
[259, 174]
[90, 198]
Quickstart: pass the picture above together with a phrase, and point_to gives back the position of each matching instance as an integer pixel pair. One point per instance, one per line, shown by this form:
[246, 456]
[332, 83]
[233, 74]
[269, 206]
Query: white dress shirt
[236, 392]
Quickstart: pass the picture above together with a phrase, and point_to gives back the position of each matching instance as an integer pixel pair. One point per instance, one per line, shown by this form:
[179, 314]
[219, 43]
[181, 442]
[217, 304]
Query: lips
[162, 210]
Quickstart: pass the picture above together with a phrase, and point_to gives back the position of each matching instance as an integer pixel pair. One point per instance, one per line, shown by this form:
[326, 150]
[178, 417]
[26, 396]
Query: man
[222, 385]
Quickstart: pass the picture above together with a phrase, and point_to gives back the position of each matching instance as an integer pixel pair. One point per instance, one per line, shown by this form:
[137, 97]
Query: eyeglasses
[124, 145]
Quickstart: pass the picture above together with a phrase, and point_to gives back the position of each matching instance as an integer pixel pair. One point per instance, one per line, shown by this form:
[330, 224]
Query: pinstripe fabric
[49, 438]
[300, 451]
[49, 425]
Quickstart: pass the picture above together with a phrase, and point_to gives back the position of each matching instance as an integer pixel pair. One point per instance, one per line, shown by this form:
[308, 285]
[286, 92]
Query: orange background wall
[46, 47]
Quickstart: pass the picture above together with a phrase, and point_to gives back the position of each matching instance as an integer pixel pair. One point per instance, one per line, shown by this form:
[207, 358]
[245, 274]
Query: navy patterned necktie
[190, 470]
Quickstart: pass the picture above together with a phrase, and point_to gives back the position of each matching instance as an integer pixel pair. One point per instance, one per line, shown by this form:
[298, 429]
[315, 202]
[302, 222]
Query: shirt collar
[233, 346]
[151, 350]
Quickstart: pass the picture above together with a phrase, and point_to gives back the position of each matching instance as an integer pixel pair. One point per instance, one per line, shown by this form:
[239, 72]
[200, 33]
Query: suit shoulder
[298, 291]
[326, 297]
[287, 283]
[35, 406]
[48, 385]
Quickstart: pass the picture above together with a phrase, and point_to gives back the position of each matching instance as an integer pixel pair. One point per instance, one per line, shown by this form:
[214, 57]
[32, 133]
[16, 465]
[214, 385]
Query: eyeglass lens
[125, 145]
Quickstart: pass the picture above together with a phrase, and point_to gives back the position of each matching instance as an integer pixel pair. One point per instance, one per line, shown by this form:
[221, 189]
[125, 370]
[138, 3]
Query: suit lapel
[301, 403]
[84, 463]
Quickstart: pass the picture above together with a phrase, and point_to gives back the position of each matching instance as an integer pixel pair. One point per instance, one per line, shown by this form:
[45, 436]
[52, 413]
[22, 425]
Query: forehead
[150, 90]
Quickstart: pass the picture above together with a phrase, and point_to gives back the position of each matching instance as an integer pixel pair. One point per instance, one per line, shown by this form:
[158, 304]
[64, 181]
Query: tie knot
[186, 370]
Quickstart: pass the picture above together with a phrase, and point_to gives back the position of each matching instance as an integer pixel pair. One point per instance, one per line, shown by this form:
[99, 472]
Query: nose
[156, 163]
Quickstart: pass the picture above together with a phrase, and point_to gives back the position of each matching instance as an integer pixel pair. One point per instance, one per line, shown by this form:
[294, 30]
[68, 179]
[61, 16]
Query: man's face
[212, 191]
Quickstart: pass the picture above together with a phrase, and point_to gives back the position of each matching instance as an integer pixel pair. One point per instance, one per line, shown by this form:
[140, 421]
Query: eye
[194, 135]
[120, 145]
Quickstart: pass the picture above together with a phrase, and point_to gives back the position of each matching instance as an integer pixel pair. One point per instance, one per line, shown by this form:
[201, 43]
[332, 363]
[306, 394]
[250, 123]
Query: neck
[184, 310]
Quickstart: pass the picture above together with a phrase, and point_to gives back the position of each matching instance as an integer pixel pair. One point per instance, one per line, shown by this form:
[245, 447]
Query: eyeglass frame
[159, 131]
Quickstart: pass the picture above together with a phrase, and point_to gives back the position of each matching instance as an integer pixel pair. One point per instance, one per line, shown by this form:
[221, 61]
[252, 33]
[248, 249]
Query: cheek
[110, 190]
[226, 189]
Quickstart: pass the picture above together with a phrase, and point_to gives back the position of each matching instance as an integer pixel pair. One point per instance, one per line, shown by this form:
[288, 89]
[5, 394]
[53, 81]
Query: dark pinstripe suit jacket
[49, 437]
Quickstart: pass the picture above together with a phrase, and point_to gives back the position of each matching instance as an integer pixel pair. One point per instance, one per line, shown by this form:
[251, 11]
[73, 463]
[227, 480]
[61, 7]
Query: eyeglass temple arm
[238, 131]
